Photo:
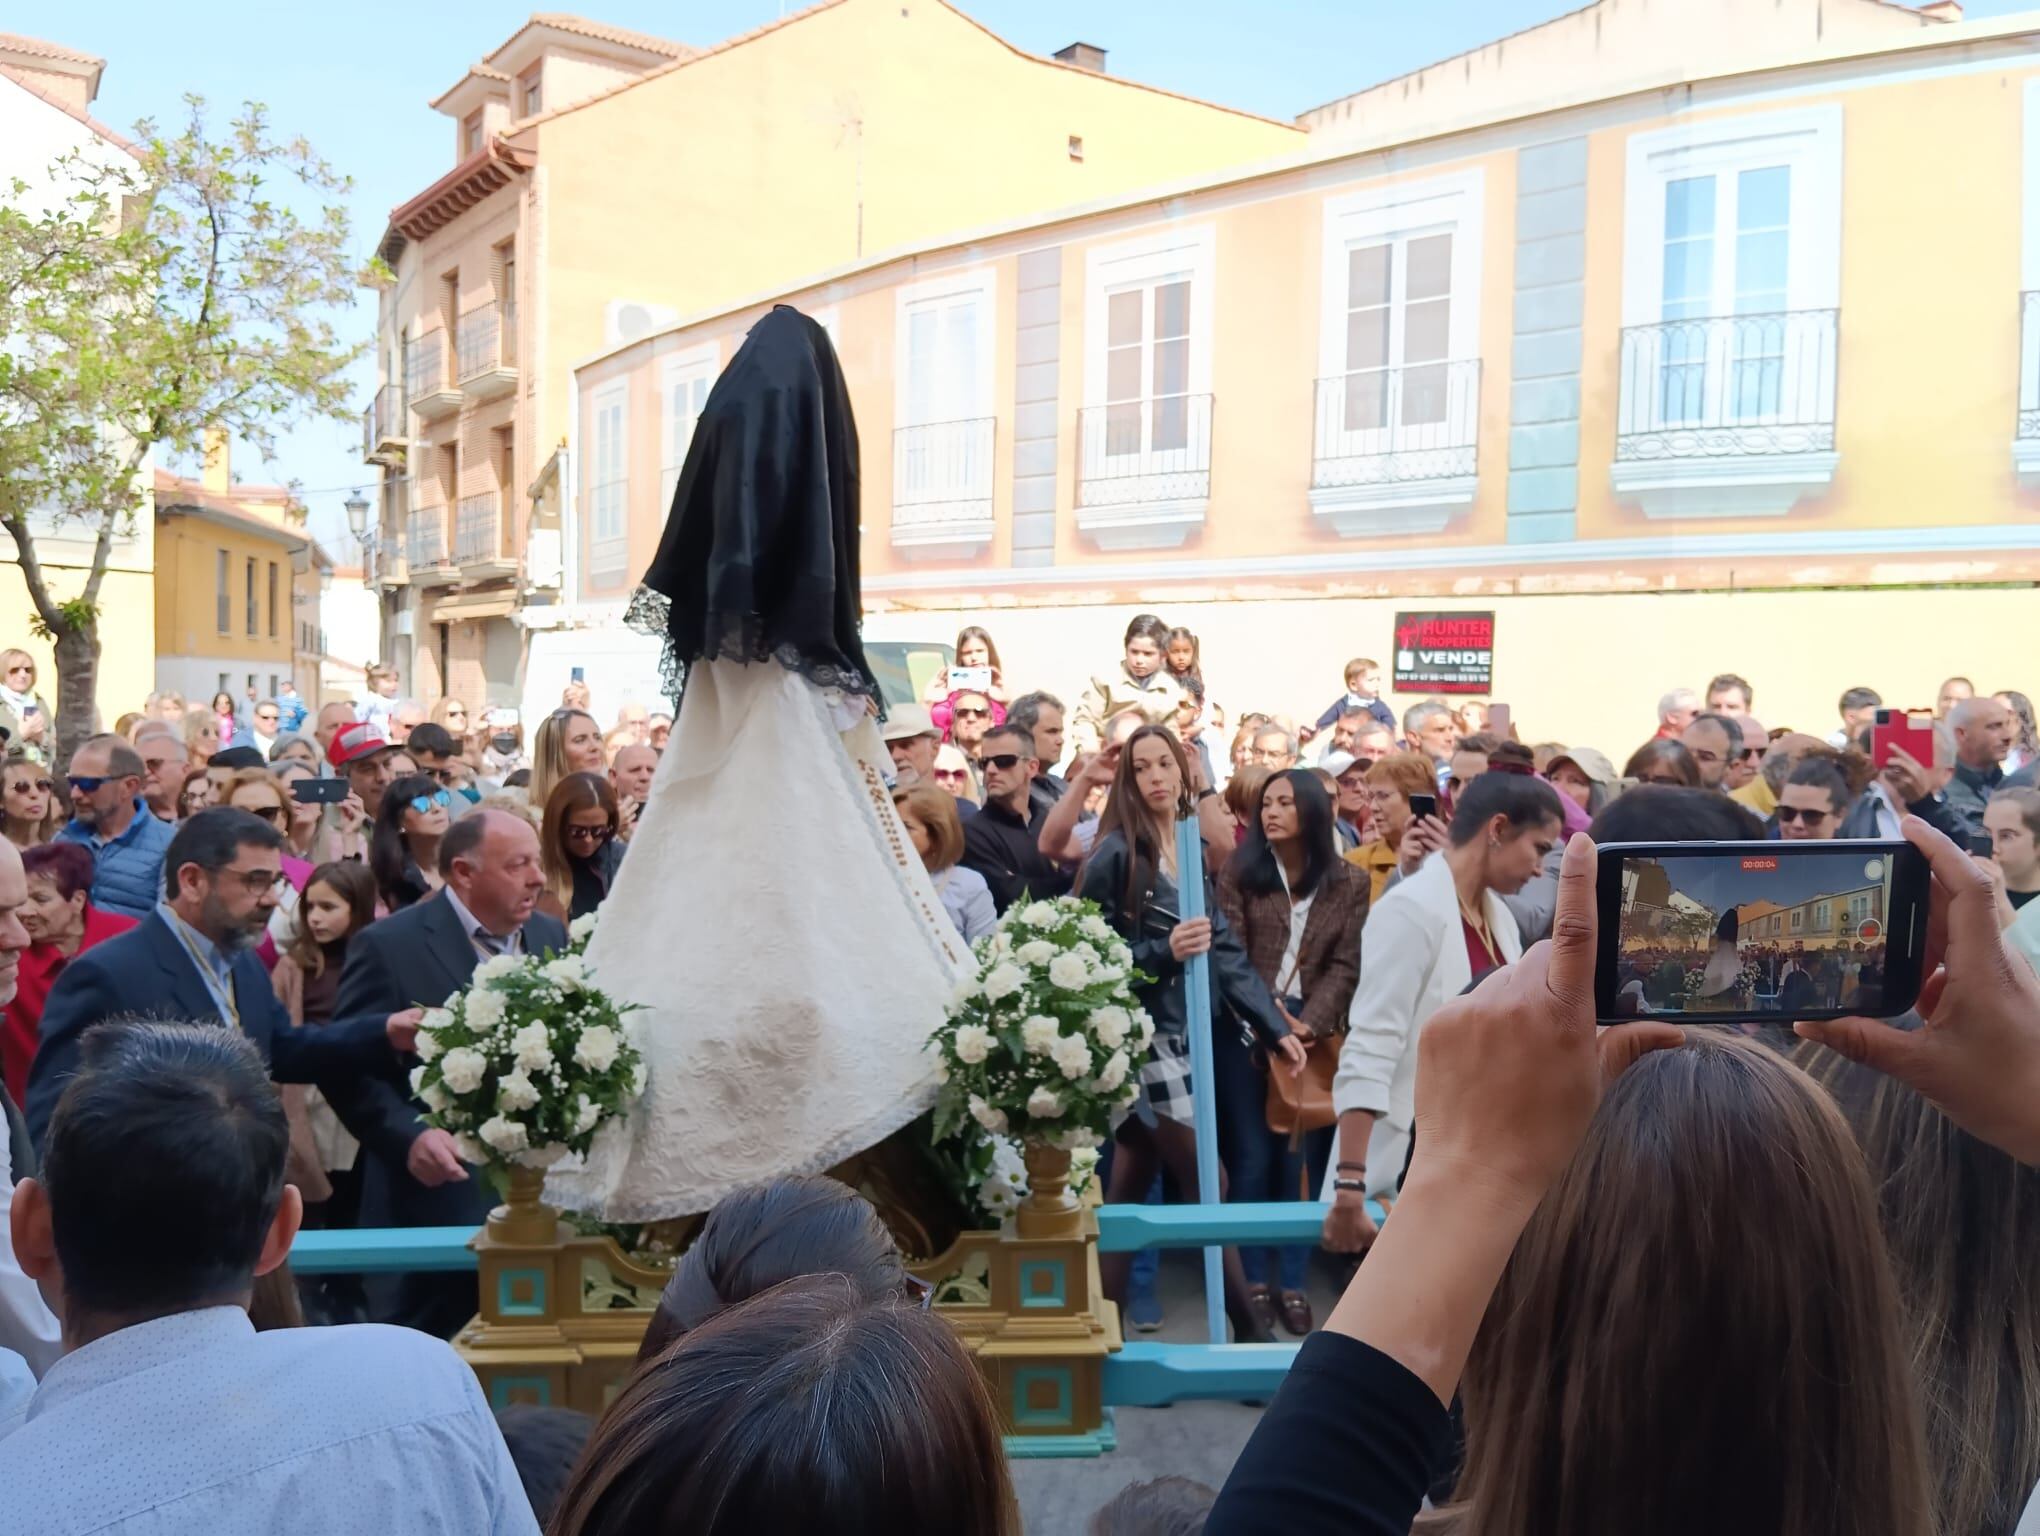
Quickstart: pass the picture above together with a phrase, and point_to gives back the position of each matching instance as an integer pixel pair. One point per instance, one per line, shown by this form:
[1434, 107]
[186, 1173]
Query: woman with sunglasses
[403, 851]
[197, 792]
[578, 846]
[452, 715]
[23, 713]
[33, 811]
[262, 794]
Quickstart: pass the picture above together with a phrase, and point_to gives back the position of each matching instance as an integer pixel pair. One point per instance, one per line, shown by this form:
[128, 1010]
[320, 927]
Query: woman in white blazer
[1419, 950]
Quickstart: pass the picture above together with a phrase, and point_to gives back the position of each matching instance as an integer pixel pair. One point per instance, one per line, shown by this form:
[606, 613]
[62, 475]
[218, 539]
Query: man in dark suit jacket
[412, 1176]
[193, 959]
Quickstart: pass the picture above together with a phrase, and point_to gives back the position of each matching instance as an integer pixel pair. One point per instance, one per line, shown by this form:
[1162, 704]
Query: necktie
[488, 942]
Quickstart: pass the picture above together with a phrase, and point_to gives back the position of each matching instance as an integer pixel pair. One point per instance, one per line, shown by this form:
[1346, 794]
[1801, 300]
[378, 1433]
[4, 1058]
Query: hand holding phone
[1909, 730]
[319, 791]
[1717, 933]
[1499, 722]
[969, 679]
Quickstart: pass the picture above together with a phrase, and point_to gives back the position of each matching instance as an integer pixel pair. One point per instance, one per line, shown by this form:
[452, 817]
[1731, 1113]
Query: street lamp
[357, 516]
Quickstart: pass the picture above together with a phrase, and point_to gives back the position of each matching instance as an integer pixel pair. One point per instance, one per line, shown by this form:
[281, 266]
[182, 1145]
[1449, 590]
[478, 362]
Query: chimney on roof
[218, 475]
[1090, 56]
[1943, 10]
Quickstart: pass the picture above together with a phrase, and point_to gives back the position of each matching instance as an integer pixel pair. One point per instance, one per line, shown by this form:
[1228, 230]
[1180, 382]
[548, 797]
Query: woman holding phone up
[1132, 876]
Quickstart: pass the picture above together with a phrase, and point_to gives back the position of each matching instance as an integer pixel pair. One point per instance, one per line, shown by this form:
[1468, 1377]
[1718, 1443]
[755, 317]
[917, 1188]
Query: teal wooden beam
[382, 1250]
[1147, 1375]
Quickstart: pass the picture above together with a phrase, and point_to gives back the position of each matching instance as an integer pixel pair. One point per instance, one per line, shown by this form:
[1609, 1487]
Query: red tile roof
[35, 47]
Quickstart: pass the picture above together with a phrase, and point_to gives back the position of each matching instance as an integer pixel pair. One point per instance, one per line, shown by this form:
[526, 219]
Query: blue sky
[355, 79]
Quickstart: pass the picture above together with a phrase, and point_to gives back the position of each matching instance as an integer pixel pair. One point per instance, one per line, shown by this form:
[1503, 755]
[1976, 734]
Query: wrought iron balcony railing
[1728, 386]
[425, 364]
[1387, 426]
[481, 346]
[425, 541]
[478, 529]
[1133, 452]
[942, 476]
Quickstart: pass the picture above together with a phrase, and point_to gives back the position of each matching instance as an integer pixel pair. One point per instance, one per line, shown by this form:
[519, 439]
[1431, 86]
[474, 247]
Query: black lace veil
[759, 558]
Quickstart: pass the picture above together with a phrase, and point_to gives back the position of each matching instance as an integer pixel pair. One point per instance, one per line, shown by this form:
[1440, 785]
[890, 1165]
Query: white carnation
[1035, 952]
[581, 928]
[417, 1078]
[1080, 1142]
[504, 1134]
[495, 968]
[515, 1091]
[1039, 1034]
[1144, 1027]
[1068, 972]
[532, 1046]
[434, 1097]
[637, 1078]
[1039, 914]
[1072, 1053]
[1120, 954]
[1113, 1075]
[1085, 953]
[1095, 928]
[1110, 1026]
[993, 1120]
[966, 989]
[597, 1048]
[463, 1068]
[1044, 1104]
[586, 1113]
[1006, 979]
[1002, 943]
[973, 1043]
[484, 1010]
[428, 1046]
[569, 973]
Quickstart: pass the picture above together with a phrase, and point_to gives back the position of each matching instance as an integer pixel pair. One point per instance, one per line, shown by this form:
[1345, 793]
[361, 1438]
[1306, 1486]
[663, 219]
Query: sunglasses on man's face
[84, 784]
[1787, 814]
[1002, 760]
[965, 712]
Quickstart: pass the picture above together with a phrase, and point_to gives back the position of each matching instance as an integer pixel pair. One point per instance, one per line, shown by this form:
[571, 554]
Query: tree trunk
[77, 690]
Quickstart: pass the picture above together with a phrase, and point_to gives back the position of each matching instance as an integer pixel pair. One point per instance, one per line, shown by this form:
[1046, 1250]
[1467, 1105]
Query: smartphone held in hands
[1719, 933]
[1911, 731]
[1423, 806]
[970, 679]
[319, 791]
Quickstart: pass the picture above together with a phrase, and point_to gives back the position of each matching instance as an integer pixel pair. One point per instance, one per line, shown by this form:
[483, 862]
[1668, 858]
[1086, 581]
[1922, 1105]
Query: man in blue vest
[109, 818]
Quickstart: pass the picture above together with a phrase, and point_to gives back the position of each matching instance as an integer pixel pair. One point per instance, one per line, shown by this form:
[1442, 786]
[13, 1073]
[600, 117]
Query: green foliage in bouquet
[529, 1062]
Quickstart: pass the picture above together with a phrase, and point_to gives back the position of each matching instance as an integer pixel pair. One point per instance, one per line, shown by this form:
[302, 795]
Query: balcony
[386, 427]
[425, 547]
[485, 352]
[478, 538]
[942, 489]
[2026, 437]
[1395, 450]
[432, 393]
[1730, 416]
[1143, 471]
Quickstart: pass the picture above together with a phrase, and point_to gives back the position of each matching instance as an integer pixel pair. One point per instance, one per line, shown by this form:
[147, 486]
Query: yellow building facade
[236, 589]
[1674, 365]
[606, 182]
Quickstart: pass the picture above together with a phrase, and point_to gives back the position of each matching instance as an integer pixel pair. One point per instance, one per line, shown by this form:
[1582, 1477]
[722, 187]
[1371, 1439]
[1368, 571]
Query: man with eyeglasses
[970, 717]
[1001, 842]
[193, 958]
[164, 759]
[1811, 803]
[268, 726]
[1742, 768]
[109, 818]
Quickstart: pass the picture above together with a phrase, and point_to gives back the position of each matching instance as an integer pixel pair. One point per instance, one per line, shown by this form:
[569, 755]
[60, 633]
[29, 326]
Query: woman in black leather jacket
[1131, 874]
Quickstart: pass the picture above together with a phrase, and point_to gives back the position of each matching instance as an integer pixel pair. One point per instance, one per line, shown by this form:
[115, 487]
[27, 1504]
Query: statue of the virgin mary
[772, 922]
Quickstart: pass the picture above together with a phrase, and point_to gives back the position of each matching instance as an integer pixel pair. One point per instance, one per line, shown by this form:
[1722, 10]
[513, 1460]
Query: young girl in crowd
[1182, 655]
[223, 717]
[974, 652]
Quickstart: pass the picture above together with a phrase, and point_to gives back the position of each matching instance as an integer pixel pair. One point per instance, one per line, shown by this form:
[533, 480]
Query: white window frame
[1177, 252]
[942, 484]
[691, 366]
[1390, 212]
[1807, 140]
[608, 548]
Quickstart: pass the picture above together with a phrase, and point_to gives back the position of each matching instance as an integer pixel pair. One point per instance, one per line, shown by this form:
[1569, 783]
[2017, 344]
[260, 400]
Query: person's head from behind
[1654, 813]
[1665, 762]
[1715, 742]
[1161, 1506]
[1811, 804]
[809, 1407]
[490, 860]
[1510, 822]
[161, 1187]
[1147, 637]
[1651, 1329]
[771, 1233]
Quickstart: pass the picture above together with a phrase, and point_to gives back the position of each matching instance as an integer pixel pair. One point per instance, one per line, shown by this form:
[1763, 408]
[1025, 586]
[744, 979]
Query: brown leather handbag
[1304, 1102]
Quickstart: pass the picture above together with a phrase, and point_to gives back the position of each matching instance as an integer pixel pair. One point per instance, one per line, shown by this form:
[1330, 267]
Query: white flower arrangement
[1002, 1182]
[529, 1062]
[1042, 1044]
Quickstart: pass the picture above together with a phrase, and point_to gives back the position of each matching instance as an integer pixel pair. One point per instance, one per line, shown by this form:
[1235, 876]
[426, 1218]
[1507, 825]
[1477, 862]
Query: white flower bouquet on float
[1043, 1045]
[529, 1062]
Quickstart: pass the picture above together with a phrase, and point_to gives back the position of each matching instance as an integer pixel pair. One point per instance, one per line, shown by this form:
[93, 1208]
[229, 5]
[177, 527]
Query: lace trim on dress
[731, 637]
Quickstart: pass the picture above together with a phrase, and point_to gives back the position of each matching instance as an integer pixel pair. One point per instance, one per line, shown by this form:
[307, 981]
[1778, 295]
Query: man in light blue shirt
[161, 1198]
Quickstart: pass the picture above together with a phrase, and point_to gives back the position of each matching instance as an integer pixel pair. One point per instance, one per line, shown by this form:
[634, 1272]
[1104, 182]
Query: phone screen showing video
[1760, 931]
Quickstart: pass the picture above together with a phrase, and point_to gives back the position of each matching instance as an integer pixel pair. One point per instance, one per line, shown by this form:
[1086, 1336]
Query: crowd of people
[1400, 933]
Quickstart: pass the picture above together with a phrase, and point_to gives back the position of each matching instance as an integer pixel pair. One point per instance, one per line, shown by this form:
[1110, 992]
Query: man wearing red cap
[362, 752]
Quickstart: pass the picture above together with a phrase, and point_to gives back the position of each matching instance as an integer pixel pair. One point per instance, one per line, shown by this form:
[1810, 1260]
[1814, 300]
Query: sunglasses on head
[1001, 760]
[1787, 814]
[423, 803]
